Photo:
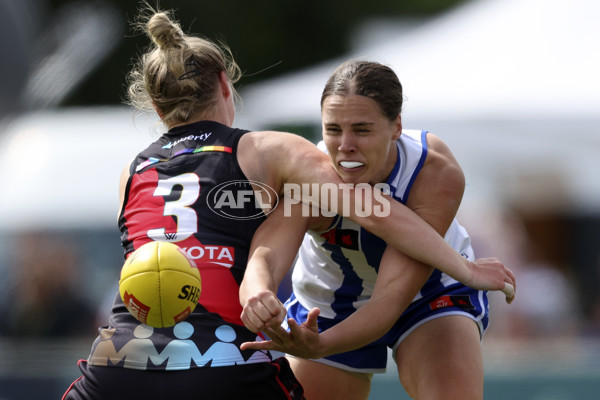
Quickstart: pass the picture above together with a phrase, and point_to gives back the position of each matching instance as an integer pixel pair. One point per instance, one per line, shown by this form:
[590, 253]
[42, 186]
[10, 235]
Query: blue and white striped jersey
[336, 269]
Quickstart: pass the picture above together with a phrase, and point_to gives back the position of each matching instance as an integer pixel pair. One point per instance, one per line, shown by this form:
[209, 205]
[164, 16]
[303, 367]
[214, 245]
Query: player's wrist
[466, 272]
[326, 345]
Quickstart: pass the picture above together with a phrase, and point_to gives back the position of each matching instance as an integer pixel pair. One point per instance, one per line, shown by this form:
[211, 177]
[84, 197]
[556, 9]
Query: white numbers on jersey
[186, 217]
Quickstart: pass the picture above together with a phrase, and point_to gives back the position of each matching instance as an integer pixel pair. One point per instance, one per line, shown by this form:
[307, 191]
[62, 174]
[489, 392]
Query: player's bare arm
[274, 247]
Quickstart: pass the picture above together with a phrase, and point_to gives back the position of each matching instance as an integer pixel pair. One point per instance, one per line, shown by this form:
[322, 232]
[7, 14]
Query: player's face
[359, 138]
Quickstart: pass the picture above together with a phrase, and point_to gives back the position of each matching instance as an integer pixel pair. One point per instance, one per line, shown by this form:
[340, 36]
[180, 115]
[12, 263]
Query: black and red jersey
[187, 188]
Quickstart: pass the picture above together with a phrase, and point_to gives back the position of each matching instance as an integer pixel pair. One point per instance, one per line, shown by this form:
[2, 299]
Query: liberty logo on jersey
[242, 200]
[201, 137]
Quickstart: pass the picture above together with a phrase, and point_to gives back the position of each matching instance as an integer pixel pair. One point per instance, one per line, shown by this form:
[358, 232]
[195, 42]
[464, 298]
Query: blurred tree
[267, 37]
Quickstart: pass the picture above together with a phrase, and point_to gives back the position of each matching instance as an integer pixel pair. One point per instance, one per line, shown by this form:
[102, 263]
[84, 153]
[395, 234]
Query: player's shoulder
[276, 140]
[441, 165]
[437, 144]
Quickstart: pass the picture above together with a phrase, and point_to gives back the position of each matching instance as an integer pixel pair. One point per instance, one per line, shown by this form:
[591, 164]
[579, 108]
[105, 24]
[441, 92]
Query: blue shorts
[456, 299]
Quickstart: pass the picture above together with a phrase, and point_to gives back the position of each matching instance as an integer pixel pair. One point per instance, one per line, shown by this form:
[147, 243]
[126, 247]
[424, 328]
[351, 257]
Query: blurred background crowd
[510, 85]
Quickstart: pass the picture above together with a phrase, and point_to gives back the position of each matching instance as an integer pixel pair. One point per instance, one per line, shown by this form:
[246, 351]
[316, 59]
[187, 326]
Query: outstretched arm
[302, 163]
[289, 159]
[398, 282]
[396, 286]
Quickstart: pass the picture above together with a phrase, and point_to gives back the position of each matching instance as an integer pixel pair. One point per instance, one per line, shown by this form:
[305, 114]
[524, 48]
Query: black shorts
[252, 381]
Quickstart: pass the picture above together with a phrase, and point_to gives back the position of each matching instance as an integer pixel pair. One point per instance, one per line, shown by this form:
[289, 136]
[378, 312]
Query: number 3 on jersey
[185, 216]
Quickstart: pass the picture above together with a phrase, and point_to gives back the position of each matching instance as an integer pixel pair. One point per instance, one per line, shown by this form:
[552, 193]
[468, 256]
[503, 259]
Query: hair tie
[192, 73]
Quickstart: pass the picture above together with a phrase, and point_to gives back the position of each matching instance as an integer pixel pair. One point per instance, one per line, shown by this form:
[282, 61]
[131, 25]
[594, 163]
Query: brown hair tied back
[165, 33]
[367, 78]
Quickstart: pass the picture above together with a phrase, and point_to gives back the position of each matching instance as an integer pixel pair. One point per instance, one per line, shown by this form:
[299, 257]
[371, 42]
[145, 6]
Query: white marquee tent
[60, 169]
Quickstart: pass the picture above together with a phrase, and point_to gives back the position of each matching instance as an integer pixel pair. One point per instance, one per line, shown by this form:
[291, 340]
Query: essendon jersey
[187, 188]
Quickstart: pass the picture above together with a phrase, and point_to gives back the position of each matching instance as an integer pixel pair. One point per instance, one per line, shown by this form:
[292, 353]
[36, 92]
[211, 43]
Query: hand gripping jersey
[188, 188]
[336, 269]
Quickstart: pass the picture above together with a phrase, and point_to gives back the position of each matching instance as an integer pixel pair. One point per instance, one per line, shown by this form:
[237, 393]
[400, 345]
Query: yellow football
[160, 285]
